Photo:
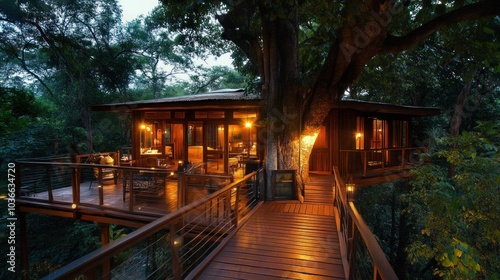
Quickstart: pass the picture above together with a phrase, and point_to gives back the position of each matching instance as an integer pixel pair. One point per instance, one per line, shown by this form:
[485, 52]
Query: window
[377, 137]
[151, 137]
[359, 134]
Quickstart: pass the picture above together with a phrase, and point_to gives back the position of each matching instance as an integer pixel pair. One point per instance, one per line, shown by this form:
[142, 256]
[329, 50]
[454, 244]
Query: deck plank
[282, 240]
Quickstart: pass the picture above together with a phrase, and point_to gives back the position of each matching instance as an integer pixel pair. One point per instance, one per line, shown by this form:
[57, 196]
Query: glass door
[195, 142]
[215, 148]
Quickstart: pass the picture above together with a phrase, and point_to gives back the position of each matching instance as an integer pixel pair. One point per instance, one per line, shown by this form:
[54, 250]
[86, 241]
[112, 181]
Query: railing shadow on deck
[171, 246]
[364, 256]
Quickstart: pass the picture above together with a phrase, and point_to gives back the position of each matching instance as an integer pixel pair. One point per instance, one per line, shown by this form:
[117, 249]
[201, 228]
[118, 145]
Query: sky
[132, 9]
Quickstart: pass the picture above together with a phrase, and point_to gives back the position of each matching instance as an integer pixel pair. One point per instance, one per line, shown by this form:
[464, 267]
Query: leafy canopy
[459, 216]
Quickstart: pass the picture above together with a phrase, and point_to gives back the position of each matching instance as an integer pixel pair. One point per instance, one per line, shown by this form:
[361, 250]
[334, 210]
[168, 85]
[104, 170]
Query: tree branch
[478, 10]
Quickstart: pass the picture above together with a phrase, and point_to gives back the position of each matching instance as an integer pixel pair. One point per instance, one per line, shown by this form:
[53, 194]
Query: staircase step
[318, 193]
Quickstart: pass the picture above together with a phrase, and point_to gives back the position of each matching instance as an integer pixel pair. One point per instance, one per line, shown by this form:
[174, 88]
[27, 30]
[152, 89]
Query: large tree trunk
[456, 120]
[282, 91]
[273, 50]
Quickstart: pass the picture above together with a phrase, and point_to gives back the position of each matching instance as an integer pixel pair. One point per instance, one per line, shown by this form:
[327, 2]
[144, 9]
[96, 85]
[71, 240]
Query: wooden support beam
[106, 266]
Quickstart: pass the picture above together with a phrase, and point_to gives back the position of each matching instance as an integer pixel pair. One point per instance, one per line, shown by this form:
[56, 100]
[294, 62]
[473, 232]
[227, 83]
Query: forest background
[61, 57]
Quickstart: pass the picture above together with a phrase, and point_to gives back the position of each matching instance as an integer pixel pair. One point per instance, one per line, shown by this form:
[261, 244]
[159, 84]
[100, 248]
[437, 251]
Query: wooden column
[181, 188]
[136, 137]
[106, 266]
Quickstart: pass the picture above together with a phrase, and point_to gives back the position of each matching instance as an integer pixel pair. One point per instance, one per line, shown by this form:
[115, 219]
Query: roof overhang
[238, 99]
[385, 108]
[220, 99]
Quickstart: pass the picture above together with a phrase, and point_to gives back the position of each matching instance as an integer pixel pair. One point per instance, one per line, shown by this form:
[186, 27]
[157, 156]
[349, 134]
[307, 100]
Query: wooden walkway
[282, 240]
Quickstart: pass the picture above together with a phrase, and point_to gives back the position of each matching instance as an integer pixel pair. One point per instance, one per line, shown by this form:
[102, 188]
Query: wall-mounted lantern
[351, 189]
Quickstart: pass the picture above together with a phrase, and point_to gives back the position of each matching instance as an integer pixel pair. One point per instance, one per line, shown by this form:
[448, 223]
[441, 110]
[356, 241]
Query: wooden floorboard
[319, 189]
[282, 240]
[150, 206]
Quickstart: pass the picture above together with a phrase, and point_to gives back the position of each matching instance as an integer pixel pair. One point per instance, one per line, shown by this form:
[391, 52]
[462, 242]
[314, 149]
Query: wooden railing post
[181, 189]
[74, 187]
[106, 266]
[236, 204]
[49, 183]
[353, 230]
[131, 193]
[174, 246]
[100, 186]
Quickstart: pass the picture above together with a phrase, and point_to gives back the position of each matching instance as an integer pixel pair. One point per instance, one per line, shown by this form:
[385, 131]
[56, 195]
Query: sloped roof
[386, 108]
[238, 99]
[235, 98]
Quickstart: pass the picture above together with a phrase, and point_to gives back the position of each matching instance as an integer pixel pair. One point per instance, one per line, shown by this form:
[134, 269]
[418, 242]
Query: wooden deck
[115, 209]
[113, 197]
[282, 240]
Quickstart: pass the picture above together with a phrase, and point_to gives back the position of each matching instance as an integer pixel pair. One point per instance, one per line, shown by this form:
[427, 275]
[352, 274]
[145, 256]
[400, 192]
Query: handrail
[350, 223]
[383, 160]
[169, 221]
[385, 149]
[227, 200]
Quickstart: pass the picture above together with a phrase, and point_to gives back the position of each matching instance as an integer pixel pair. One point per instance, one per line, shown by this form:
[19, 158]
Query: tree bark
[274, 53]
[456, 120]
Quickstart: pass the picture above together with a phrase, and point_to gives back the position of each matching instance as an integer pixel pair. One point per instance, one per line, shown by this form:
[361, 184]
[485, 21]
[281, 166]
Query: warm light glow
[178, 241]
[73, 206]
[143, 126]
[248, 124]
[180, 162]
[359, 135]
[172, 173]
[309, 140]
[350, 191]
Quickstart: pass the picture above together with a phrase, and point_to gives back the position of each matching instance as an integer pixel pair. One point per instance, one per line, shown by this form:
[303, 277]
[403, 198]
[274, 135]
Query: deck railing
[72, 186]
[352, 161]
[357, 238]
[171, 246]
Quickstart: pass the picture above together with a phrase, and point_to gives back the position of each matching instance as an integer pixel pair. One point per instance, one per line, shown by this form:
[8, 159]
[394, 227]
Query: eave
[223, 99]
[385, 108]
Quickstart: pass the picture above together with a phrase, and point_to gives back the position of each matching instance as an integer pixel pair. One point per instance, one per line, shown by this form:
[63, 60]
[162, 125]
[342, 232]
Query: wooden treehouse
[194, 185]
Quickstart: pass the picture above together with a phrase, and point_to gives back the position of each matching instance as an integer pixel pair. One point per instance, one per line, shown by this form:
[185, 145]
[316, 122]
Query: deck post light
[351, 189]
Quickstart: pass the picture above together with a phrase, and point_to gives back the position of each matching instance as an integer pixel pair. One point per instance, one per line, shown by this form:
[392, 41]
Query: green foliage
[54, 242]
[116, 233]
[458, 216]
[219, 77]
[18, 109]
